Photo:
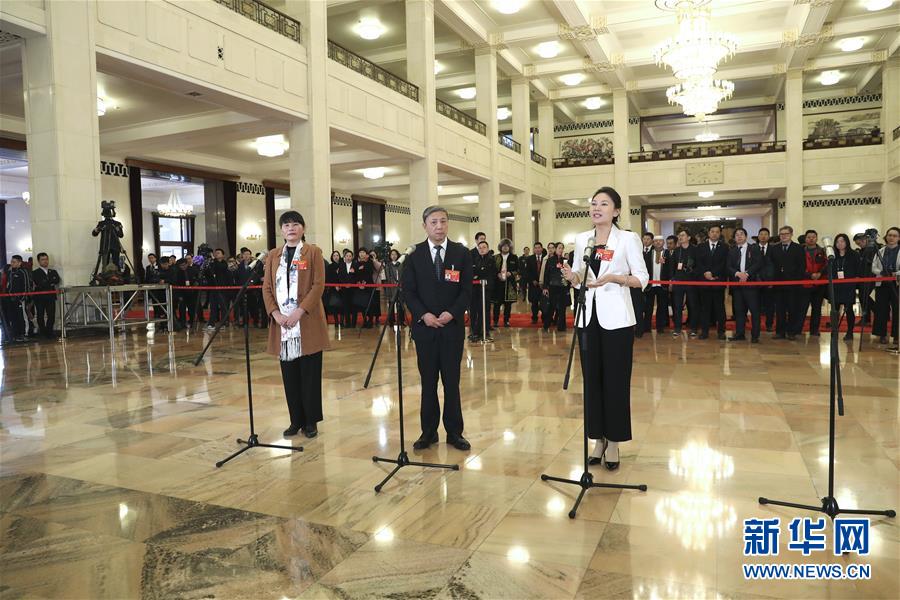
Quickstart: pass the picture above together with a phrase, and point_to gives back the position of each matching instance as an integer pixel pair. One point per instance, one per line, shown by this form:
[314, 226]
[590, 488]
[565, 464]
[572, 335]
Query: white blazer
[612, 301]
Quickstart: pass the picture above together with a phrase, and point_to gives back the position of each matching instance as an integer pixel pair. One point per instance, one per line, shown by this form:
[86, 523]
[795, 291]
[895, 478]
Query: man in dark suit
[658, 269]
[788, 264]
[745, 263]
[45, 279]
[437, 289]
[712, 256]
[766, 294]
[533, 265]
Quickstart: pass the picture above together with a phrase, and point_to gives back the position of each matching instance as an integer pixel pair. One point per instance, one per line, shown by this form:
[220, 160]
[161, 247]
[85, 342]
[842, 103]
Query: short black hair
[219, 250]
[245, 249]
[151, 254]
[480, 233]
[291, 216]
[538, 244]
[40, 254]
[761, 229]
[646, 233]
[859, 236]
[716, 225]
[482, 242]
[671, 237]
[362, 249]
[809, 231]
[347, 251]
[17, 257]
[741, 229]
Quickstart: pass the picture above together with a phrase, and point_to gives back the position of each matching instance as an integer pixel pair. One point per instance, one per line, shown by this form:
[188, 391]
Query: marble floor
[108, 487]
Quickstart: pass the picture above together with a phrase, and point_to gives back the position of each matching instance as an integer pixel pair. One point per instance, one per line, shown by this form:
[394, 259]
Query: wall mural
[836, 124]
[588, 146]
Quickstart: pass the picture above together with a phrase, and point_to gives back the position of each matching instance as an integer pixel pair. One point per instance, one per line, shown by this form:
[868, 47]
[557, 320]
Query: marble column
[547, 221]
[59, 73]
[486, 112]
[423, 175]
[620, 152]
[310, 167]
[545, 131]
[793, 117]
[523, 232]
[890, 189]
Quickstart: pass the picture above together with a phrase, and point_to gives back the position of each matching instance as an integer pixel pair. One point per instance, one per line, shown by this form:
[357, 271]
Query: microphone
[259, 258]
[409, 250]
[829, 247]
[588, 249]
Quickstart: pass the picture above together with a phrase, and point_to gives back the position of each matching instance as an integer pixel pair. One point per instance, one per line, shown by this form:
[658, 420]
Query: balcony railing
[535, 157]
[845, 141]
[357, 63]
[896, 132]
[267, 16]
[460, 117]
[586, 161]
[707, 151]
[510, 143]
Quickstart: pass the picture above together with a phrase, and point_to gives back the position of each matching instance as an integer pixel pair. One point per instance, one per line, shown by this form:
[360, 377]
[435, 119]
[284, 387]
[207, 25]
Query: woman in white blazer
[606, 323]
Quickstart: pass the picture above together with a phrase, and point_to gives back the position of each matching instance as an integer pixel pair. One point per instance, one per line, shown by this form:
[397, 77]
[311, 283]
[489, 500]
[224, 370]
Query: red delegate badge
[451, 275]
[301, 265]
[604, 254]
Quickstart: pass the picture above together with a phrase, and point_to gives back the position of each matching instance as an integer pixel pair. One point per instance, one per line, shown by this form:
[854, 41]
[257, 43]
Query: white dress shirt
[657, 268]
[443, 245]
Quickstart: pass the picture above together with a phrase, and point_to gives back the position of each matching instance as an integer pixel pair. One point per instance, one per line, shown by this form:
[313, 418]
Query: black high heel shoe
[610, 465]
[596, 460]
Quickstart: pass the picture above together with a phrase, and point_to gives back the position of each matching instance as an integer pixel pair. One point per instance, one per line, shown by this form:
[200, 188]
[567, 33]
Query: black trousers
[507, 308]
[660, 296]
[45, 309]
[217, 307]
[15, 316]
[680, 295]
[557, 304]
[767, 306]
[849, 314]
[745, 299]
[302, 379]
[788, 308]
[637, 304]
[606, 370]
[535, 297]
[712, 308]
[885, 309]
[438, 355]
[812, 302]
[479, 293]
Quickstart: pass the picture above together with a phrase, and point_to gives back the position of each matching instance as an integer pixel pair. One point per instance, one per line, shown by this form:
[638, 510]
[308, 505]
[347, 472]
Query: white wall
[251, 219]
[843, 219]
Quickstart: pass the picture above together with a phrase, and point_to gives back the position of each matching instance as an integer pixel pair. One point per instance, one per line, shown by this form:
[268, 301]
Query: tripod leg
[238, 453]
[386, 479]
[578, 500]
[377, 348]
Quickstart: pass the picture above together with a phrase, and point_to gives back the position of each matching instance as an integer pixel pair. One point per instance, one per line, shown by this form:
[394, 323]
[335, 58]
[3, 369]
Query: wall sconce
[251, 233]
[342, 236]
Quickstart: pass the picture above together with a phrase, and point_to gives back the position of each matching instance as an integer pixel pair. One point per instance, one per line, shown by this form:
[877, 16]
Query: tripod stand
[829, 504]
[402, 459]
[253, 440]
[586, 481]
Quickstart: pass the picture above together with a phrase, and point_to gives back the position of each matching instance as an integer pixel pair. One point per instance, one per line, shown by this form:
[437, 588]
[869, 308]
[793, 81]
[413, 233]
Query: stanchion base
[587, 482]
[830, 507]
[401, 461]
[253, 442]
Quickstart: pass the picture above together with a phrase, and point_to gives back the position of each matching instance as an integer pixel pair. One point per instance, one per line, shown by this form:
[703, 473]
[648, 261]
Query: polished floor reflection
[108, 487]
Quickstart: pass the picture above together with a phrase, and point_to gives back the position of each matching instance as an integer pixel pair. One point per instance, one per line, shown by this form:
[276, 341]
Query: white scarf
[287, 303]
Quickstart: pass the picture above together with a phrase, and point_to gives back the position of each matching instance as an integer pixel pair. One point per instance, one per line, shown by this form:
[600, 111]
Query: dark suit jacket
[787, 265]
[754, 264]
[424, 293]
[532, 272]
[44, 282]
[714, 262]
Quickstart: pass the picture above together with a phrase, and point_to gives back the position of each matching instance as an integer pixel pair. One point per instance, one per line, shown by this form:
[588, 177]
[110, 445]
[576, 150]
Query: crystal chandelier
[695, 53]
[706, 135]
[174, 207]
[700, 98]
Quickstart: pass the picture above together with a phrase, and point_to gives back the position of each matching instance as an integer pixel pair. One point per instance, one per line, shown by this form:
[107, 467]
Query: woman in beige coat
[298, 333]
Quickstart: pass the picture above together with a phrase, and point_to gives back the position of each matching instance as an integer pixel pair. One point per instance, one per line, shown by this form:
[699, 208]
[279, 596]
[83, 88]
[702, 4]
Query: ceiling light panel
[548, 49]
[369, 28]
[572, 78]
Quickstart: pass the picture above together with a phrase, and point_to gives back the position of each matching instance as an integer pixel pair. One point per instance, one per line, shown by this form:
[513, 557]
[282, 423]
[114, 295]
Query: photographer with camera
[887, 264]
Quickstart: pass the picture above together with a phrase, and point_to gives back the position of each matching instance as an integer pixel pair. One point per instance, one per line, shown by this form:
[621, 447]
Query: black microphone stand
[829, 504]
[253, 440]
[402, 459]
[586, 481]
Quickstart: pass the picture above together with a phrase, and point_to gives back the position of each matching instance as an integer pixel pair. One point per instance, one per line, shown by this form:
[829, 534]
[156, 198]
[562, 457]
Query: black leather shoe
[595, 460]
[311, 431]
[814, 334]
[737, 338]
[612, 466]
[848, 337]
[703, 336]
[425, 440]
[458, 442]
[791, 337]
[291, 431]
[754, 340]
[778, 336]
[721, 336]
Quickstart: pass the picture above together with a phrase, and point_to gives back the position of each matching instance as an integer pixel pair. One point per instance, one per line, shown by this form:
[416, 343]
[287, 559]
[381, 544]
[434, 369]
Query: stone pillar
[620, 152]
[310, 167]
[793, 118]
[486, 112]
[59, 73]
[545, 131]
[523, 232]
[890, 96]
[423, 175]
[546, 226]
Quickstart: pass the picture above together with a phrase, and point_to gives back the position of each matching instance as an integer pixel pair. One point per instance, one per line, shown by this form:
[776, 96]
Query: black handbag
[335, 303]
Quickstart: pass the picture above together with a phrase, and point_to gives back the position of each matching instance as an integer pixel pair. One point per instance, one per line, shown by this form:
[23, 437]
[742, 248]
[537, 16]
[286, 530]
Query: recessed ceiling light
[438, 67]
[706, 136]
[505, 205]
[369, 28]
[471, 197]
[874, 5]
[829, 77]
[503, 113]
[706, 194]
[831, 187]
[466, 93]
[572, 78]
[373, 173]
[851, 44]
[271, 145]
[548, 49]
[593, 103]
[101, 106]
[507, 7]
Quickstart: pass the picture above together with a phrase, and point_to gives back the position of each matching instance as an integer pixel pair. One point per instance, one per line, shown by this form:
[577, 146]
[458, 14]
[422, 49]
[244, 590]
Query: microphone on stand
[829, 247]
[259, 258]
[588, 249]
[409, 250]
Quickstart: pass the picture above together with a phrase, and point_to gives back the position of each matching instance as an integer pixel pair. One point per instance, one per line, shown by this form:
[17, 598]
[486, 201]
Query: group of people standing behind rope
[784, 307]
